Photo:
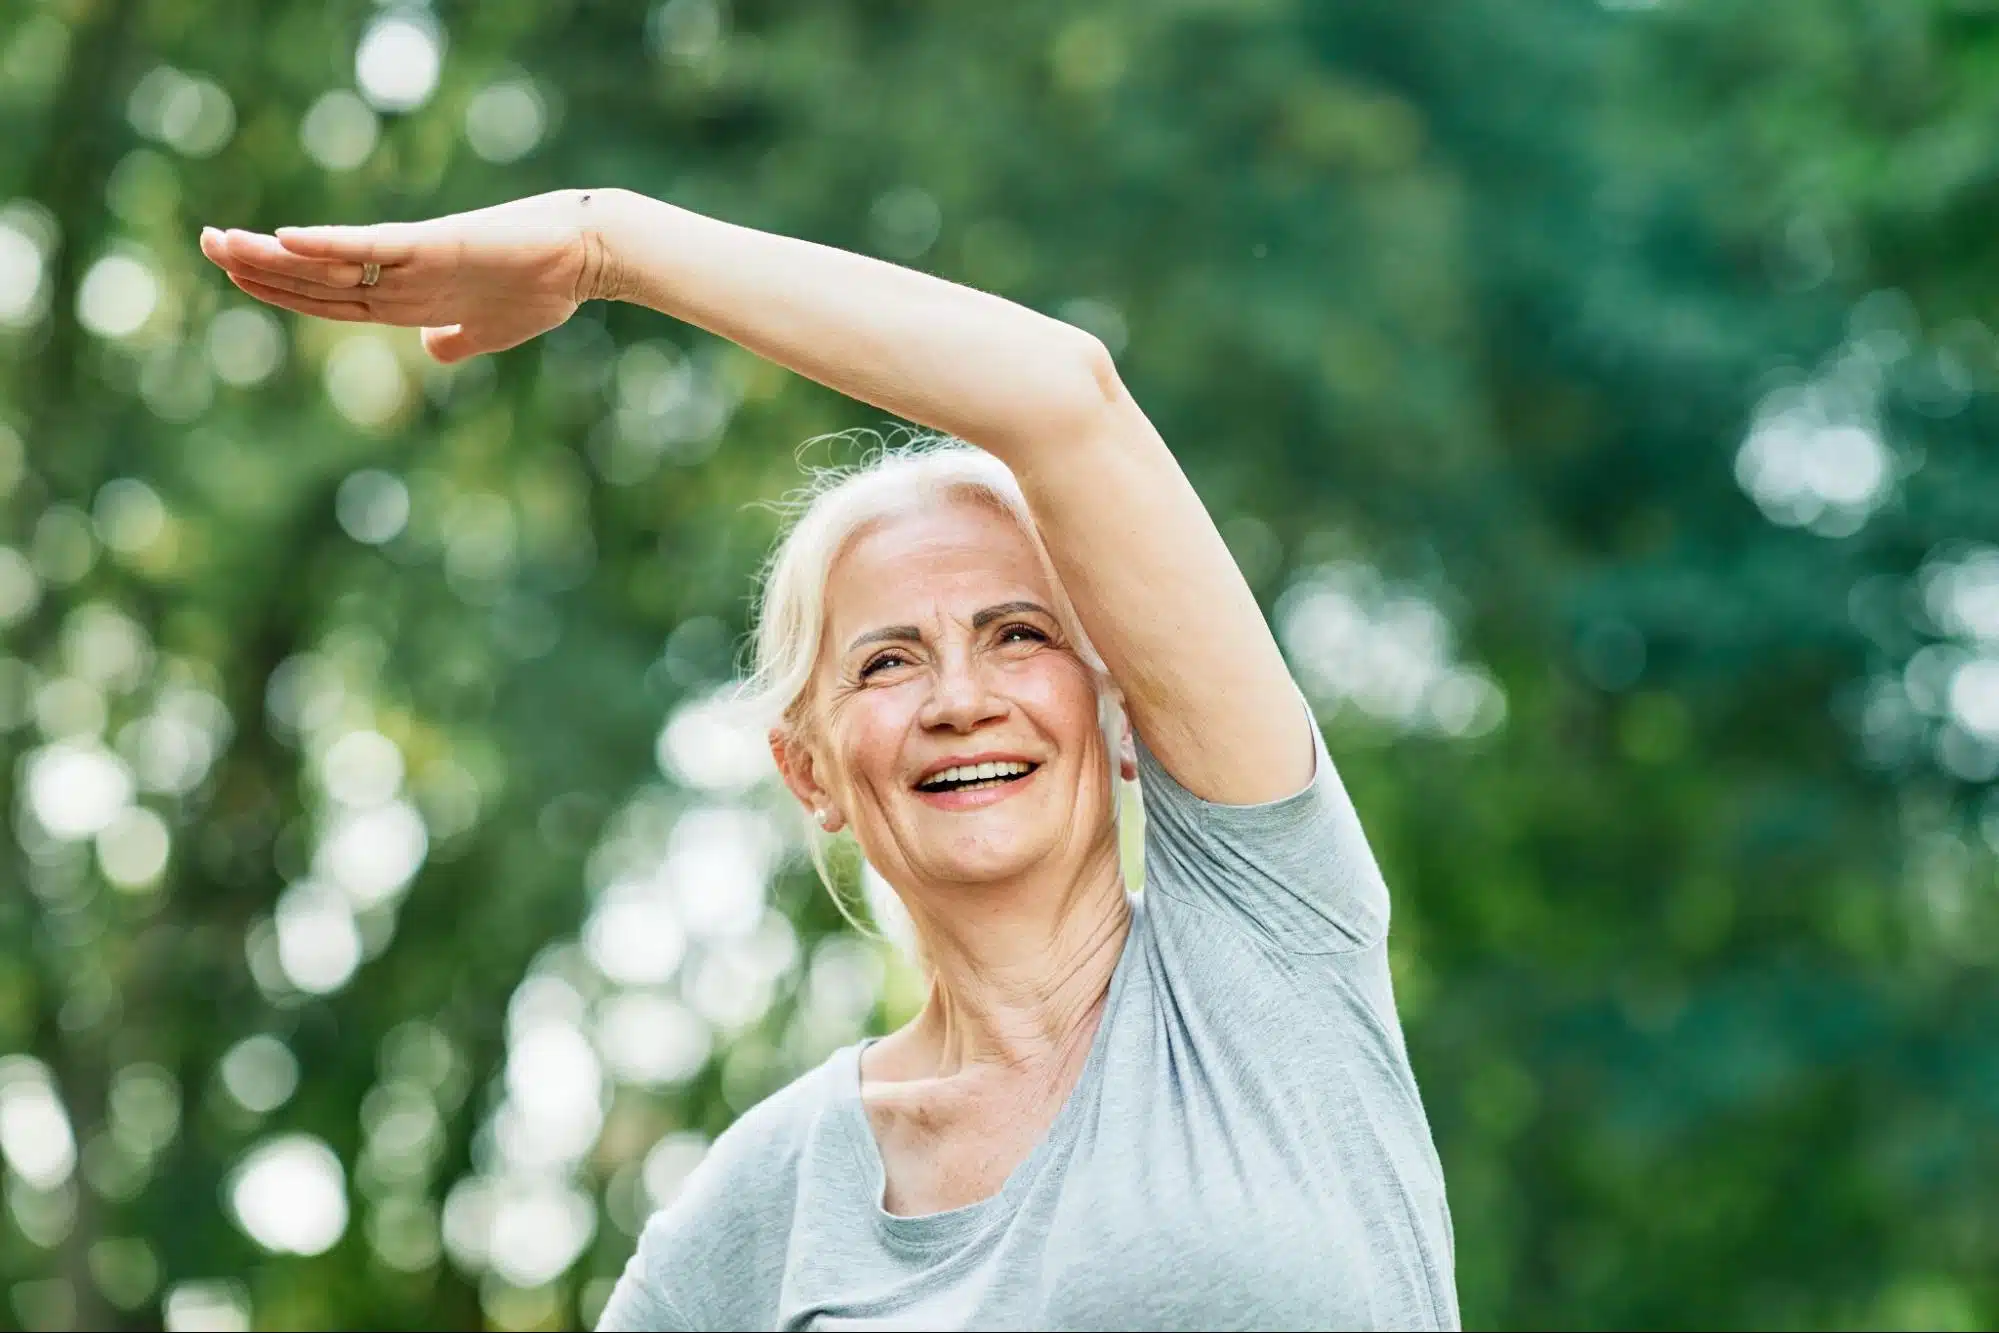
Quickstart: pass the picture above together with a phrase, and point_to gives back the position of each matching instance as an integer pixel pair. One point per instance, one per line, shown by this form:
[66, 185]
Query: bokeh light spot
[362, 768]
[319, 945]
[132, 849]
[21, 283]
[633, 936]
[245, 345]
[289, 1195]
[212, 1305]
[339, 131]
[1974, 697]
[372, 506]
[670, 1162]
[192, 114]
[505, 120]
[365, 381]
[20, 589]
[34, 1128]
[372, 853]
[260, 1072]
[708, 745]
[651, 1040]
[117, 296]
[129, 515]
[77, 788]
[398, 61]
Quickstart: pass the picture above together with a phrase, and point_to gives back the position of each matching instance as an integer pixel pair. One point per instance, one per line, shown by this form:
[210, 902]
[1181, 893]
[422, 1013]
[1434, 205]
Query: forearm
[929, 351]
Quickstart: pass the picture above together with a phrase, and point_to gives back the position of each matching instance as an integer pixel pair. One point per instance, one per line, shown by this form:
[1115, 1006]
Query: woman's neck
[1023, 980]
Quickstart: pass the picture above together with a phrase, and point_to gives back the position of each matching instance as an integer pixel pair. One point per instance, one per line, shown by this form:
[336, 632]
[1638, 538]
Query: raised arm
[1142, 561]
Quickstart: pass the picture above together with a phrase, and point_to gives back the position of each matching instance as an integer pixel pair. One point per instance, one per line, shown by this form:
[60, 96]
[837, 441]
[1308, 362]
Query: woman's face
[942, 661]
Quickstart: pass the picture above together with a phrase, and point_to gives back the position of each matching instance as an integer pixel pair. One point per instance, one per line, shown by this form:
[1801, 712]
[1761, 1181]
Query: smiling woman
[1190, 1109]
[877, 502]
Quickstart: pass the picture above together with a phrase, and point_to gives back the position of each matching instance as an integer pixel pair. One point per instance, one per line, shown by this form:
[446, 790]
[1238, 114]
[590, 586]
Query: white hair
[825, 517]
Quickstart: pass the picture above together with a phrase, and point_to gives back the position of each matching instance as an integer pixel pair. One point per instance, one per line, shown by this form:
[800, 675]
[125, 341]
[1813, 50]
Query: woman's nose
[961, 698]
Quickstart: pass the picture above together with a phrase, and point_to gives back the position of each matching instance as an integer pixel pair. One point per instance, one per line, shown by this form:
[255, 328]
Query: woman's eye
[882, 662]
[1022, 634]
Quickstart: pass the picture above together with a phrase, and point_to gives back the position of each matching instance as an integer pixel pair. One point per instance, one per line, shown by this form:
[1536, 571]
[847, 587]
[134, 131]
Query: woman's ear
[1127, 751]
[800, 772]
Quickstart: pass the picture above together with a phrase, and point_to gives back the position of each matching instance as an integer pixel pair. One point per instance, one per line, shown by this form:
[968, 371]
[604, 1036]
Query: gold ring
[370, 274]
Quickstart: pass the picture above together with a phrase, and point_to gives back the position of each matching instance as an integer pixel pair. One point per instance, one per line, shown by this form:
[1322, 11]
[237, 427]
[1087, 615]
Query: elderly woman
[1190, 1108]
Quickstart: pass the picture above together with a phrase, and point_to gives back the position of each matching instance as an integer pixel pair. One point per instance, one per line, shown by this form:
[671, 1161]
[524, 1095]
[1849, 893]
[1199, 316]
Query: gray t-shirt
[1245, 1147]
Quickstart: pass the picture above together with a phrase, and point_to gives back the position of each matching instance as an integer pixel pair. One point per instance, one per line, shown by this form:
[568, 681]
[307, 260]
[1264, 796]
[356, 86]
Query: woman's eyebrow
[981, 619]
[888, 634]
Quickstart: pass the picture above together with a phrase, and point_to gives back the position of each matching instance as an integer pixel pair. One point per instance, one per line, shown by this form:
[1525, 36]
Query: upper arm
[1166, 606]
[714, 1255]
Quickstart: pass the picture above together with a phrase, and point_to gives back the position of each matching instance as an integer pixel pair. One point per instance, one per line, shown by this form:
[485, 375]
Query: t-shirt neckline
[927, 1231]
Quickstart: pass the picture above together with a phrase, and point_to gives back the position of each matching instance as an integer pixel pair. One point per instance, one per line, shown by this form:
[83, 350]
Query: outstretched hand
[473, 282]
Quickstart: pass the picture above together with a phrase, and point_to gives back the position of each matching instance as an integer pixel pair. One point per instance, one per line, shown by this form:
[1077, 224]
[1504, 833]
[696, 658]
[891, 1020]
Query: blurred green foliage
[1600, 396]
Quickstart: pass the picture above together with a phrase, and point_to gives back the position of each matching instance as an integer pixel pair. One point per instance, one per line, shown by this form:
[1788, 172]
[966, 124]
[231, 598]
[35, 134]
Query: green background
[1596, 395]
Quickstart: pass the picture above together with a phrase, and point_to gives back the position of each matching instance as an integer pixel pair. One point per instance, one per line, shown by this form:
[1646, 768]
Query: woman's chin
[1002, 841]
[987, 862]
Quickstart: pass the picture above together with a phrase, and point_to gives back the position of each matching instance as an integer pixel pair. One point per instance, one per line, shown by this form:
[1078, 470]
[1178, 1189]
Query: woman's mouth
[974, 784]
[972, 777]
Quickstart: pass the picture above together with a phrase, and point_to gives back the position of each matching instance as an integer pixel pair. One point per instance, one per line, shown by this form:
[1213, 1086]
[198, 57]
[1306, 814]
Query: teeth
[979, 772]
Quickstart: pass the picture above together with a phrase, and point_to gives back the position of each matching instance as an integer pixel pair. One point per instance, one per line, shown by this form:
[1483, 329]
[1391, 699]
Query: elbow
[1089, 388]
[1073, 397]
[1100, 370]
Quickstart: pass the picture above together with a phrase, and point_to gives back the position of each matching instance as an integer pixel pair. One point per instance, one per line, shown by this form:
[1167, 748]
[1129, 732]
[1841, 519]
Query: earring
[825, 817]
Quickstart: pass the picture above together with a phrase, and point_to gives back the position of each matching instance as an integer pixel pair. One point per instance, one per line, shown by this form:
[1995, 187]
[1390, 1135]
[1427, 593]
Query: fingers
[261, 260]
[384, 243]
[351, 312]
[244, 256]
[279, 282]
[383, 308]
[455, 342]
[238, 249]
[450, 343]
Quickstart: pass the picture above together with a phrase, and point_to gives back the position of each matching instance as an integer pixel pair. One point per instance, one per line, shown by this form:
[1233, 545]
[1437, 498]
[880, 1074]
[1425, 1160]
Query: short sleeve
[1296, 871]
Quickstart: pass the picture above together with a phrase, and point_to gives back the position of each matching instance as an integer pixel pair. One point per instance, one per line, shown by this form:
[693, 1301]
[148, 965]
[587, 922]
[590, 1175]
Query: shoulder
[701, 1253]
[777, 1131]
[753, 1167]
